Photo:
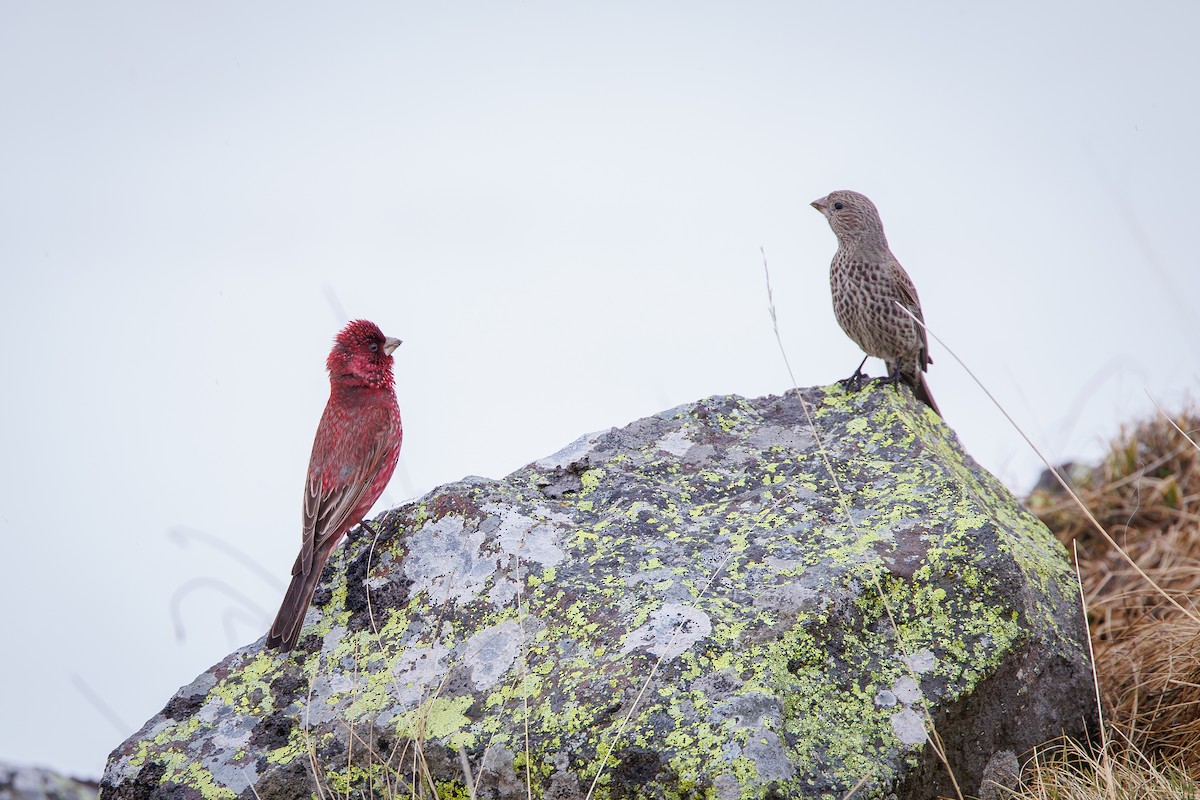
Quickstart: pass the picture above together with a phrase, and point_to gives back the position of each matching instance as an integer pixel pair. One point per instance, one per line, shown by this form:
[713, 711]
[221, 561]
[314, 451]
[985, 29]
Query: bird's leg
[894, 375]
[855, 381]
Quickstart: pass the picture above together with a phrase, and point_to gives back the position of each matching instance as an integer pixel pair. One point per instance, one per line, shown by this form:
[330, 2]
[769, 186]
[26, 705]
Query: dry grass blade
[1105, 763]
[1140, 593]
[1147, 652]
[775, 319]
[1182, 432]
[854, 788]
[1068, 770]
[624, 724]
[465, 764]
[366, 583]
[524, 671]
[322, 790]
[250, 783]
[931, 734]
[1191, 614]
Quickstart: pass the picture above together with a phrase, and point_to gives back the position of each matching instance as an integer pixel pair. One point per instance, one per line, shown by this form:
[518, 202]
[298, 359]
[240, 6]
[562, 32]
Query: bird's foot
[855, 381]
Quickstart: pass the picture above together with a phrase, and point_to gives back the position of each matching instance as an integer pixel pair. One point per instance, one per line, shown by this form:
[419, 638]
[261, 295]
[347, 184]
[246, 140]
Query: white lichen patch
[329, 690]
[768, 753]
[232, 736]
[716, 531]
[524, 543]
[491, 653]
[757, 713]
[764, 436]
[676, 442]
[418, 670]
[671, 630]
[922, 661]
[909, 727]
[728, 787]
[444, 560]
[531, 540]
[906, 690]
[660, 576]
[332, 638]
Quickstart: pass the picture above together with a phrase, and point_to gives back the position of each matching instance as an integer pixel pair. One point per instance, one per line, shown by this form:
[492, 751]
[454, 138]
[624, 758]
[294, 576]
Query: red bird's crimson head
[362, 355]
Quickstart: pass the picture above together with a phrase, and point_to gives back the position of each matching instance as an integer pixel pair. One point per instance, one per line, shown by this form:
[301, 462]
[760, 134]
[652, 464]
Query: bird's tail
[921, 390]
[916, 379]
[285, 630]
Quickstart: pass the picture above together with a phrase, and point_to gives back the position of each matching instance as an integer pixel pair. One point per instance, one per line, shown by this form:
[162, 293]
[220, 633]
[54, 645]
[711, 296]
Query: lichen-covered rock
[720, 601]
[37, 783]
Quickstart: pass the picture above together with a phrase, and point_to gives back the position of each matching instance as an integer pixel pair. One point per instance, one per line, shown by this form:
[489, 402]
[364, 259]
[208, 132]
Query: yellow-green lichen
[804, 598]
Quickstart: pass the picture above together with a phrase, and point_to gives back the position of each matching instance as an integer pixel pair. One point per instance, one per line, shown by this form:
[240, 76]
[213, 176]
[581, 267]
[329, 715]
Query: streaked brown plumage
[867, 282]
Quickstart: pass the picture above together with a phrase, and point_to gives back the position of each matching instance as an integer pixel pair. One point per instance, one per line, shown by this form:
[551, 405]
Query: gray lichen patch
[705, 603]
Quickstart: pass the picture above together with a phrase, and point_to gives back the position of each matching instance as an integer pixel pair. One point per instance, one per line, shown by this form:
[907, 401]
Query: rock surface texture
[692, 601]
[35, 783]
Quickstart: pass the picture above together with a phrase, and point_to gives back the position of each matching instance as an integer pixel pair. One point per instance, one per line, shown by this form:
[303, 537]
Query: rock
[1001, 777]
[1079, 476]
[690, 600]
[35, 783]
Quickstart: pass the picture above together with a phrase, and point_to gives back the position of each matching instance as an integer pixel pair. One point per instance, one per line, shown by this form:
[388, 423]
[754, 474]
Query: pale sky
[559, 208]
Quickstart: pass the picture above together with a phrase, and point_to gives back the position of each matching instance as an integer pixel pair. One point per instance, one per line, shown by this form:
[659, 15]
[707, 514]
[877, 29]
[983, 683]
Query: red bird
[353, 456]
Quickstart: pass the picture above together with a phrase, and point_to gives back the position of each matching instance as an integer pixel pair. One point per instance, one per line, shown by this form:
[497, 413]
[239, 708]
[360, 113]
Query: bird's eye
[374, 347]
[838, 206]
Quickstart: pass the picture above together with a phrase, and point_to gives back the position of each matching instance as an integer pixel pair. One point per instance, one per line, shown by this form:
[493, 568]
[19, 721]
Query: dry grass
[1071, 771]
[1146, 493]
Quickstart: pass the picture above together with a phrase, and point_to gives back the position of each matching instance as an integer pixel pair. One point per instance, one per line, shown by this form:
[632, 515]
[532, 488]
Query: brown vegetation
[1146, 494]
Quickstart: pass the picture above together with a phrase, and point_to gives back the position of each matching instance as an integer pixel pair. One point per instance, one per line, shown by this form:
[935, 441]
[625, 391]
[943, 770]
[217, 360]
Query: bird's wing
[908, 298]
[327, 511]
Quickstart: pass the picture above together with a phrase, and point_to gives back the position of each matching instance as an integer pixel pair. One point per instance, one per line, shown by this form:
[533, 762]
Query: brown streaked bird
[867, 282]
[353, 457]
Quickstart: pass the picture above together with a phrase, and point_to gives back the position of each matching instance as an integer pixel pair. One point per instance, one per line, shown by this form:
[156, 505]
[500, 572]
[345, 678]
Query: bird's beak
[390, 345]
[819, 205]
